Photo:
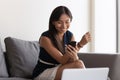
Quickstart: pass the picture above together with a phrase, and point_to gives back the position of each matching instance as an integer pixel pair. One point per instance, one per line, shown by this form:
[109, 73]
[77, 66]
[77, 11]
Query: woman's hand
[72, 52]
[85, 39]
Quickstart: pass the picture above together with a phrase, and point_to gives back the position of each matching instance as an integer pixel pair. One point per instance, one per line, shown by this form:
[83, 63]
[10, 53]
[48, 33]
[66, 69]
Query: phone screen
[72, 43]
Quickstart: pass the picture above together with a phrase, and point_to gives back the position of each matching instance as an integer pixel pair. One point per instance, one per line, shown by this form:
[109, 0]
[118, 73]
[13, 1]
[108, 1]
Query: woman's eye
[67, 22]
[59, 22]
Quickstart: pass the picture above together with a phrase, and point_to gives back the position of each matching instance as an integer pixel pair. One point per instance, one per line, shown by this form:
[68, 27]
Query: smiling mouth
[63, 29]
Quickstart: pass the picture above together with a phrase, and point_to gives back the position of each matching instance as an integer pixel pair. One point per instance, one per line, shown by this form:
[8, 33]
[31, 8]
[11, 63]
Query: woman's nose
[63, 25]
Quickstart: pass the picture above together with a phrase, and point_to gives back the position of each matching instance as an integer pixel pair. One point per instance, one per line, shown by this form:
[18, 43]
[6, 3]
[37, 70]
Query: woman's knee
[79, 64]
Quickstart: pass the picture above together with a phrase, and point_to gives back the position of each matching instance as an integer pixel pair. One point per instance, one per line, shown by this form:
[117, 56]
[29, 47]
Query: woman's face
[62, 24]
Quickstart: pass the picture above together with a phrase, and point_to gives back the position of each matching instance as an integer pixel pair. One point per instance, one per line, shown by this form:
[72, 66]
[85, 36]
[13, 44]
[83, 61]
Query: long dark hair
[55, 15]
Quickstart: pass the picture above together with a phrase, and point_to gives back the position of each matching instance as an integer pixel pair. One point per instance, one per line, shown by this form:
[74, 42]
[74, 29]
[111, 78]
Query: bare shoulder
[43, 38]
[44, 41]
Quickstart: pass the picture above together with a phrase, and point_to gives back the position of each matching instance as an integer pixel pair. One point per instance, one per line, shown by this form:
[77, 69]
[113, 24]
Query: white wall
[27, 19]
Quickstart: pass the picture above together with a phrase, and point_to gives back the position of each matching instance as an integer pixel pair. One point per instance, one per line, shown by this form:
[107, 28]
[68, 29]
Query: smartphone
[72, 43]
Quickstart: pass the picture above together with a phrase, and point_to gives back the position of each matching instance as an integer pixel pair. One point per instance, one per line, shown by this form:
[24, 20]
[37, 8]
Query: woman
[55, 53]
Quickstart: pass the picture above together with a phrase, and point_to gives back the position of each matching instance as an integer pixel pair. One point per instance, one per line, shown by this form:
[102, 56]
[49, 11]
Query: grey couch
[20, 58]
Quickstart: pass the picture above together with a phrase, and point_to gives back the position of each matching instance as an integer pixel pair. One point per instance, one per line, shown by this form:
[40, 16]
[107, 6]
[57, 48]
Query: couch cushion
[21, 56]
[3, 69]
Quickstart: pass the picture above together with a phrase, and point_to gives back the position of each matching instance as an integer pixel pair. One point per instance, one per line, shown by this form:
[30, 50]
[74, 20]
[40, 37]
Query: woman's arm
[85, 39]
[46, 43]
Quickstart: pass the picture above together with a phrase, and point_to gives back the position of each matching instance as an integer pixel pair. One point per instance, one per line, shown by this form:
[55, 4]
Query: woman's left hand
[85, 39]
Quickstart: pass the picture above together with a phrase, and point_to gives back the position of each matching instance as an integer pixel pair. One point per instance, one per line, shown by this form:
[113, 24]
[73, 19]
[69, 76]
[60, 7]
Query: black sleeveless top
[44, 56]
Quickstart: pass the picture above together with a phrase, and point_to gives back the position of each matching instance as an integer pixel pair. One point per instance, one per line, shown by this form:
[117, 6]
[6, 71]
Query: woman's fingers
[86, 38]
[71, 50]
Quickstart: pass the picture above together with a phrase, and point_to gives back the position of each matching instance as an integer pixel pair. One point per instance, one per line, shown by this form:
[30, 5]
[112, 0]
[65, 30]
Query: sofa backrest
[103, 60]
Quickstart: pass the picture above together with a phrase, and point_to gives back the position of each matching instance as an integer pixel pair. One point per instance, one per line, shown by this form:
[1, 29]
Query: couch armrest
[103, 60]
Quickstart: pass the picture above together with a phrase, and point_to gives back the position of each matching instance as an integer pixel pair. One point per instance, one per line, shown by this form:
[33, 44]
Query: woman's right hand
[71, 52]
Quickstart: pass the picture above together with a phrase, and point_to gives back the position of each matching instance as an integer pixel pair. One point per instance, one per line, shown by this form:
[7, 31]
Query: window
[105, 27]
